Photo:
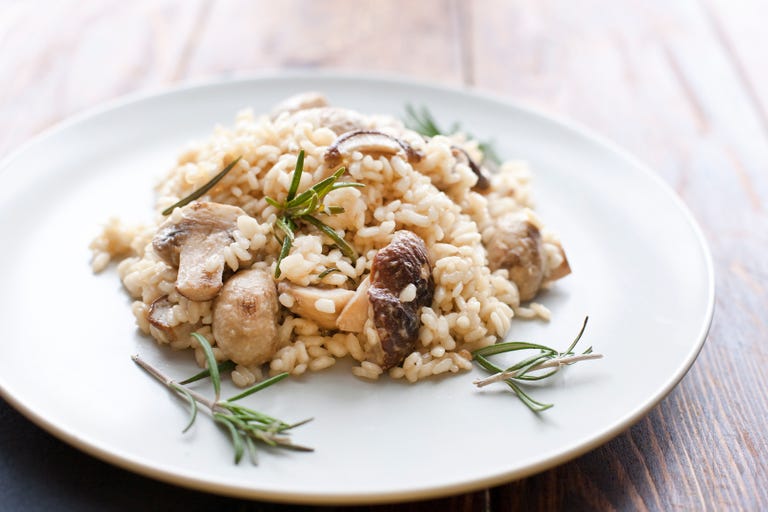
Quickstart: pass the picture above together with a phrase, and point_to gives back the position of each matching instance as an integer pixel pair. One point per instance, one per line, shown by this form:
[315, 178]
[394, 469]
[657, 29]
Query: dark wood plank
[659, 79]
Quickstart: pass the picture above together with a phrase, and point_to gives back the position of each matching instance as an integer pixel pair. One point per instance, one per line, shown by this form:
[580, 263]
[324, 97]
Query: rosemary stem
[170, 383]
[551, 363]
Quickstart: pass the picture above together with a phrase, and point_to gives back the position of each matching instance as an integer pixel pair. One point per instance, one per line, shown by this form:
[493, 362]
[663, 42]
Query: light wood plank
[740, 27]
[403, 37]
[78, 54]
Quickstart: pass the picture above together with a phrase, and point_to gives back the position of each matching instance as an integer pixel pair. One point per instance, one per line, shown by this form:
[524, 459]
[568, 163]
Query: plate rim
[434, 491]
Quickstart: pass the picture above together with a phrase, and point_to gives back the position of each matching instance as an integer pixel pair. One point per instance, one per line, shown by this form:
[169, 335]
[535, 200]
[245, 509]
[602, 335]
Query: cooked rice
[472, 306]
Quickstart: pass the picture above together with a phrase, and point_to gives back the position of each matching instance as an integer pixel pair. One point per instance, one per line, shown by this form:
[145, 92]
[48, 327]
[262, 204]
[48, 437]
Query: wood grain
[683, 85]
[657, 78]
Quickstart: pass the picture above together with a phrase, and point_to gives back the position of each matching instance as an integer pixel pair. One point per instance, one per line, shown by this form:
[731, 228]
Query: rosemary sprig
[246, 427]
[422, 121]
[305, 207]
[529, 369]
[202, 190]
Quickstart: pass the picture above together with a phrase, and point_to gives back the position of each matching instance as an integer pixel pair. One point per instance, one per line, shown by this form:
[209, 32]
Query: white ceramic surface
[641, 270]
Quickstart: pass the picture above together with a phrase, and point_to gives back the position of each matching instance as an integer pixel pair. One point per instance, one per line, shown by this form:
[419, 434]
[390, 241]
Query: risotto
[335, 234]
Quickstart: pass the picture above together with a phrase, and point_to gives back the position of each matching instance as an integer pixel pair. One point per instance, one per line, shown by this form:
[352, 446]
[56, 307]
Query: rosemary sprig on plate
[202, 190]
[245, 426]
[304, 208]
[422, 121]
[545, 363]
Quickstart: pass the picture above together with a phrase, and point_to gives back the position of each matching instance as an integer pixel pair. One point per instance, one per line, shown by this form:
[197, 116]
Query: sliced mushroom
[561, 270]
[195, 245]
[245, 316]
[483, 183]
[516, 245]
[404, 261]
[352, 318]
[339, 120]
[321, 305]
[369, 142]
[301, 101]
[161, 322]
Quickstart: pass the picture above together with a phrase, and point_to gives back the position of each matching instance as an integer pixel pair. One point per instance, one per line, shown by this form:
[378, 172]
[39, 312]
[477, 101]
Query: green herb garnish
[327, 271]
[304, 208]
[222, 367]
[422, 121]
[202, 190]
[246, 427]
[528, 369]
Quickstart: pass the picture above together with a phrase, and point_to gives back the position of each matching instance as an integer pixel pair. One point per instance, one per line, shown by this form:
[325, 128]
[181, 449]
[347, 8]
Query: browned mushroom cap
[402, 263]
[483, 183]
[161, 322]
[339, 120]
[322, 305]
[245, 315]
[301, 101]
[516, 246]
[369, 142]
[195, 244]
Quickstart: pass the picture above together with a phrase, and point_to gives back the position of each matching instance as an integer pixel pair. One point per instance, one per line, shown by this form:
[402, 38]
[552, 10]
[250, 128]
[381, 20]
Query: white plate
[641, 271]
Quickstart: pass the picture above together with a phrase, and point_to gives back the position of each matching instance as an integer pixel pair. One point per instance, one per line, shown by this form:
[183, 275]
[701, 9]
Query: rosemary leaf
[258, 387]
[283, 226]
[323, 187]
[526, 364]
[320, 188]
[284, 250]
[345, 248]
[299, 200]
[327, 271]
[213, 366]
[346, 184]
[223, 366]
[192, 404]
[532, 404]
[332, 210]
[421, 122]
[573, 344]
[296, 176]
[300, 423]
[295, 447]
[250, 415]
[237, 441]
[510, 346]
[202, 190]
[310, 207]
[252, 452]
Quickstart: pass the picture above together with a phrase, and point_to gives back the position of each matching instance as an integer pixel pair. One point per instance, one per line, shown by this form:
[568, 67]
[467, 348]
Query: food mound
[335, 234]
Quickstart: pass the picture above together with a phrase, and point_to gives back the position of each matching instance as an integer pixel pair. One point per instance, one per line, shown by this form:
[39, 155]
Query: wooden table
[682, 84]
